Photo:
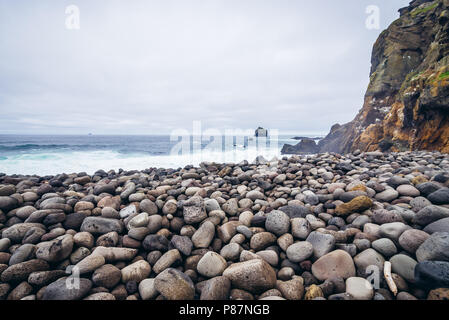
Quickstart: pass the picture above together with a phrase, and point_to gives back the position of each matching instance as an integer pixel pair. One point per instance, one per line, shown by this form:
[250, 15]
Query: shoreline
[303, 227]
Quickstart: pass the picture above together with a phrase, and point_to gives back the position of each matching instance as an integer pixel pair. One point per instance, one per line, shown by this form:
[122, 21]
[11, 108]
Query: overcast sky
[150, 66]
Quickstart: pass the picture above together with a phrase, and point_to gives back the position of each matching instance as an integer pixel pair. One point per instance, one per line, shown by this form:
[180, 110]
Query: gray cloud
[144, 67]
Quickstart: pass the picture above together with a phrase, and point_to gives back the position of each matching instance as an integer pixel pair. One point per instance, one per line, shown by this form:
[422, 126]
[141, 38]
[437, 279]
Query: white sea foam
[50, 163]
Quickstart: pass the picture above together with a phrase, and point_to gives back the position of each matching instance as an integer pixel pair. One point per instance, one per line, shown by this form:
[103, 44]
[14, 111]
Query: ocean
[54, 154]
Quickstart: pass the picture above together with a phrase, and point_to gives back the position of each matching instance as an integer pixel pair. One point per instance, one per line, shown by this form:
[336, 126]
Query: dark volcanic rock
[440, 196]
[432, 274]
[294, 211]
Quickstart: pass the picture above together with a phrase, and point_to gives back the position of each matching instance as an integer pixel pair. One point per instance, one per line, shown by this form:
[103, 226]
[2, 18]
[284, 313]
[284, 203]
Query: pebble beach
[363, 226]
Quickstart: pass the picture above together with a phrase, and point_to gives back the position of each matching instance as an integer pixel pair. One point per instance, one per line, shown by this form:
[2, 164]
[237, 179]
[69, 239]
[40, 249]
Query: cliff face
[406, 105]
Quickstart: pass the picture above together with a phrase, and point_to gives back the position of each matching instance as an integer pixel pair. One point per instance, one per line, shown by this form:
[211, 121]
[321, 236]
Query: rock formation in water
[406, 106]
[261, 132]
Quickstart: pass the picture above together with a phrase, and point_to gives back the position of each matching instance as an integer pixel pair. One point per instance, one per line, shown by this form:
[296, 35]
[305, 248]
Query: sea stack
[261, 132]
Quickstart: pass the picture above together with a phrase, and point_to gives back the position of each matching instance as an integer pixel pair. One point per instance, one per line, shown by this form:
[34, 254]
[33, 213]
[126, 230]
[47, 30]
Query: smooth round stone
[231, 251]
[55, 250]
[109, 239]
[136, 272]
[269, 256]
[337, 263]
[167, 260]
[387, 195]
[246, 217]
[285, 241]
[74, 220]
[255, 195]
[170, 207]
[211, 265]
[412, 239]
[24, 212]
[300, 228]
[116, 254]
[419, 203]
[21, 271]
[30, 196]
[277, 222]
[359, 288]
[84, 239]
[141, 220]
[231, 207]
[404, 266]
[397, 181]
[154, 223]
[203, 237]
[137, 197]
[8, 203]
[408, 191]
[4, 244]
[83, 206]
[245, 231]
[385, 246]
[147, 289]
[254, 276]
[128, 211]
[211, 205]
[148, 206]
[20, 291]
[23, 253]
[42, 278]
[312, 199]
[138, 234]
[300, 251]
[261, 240]
[393, 230]
[322, 243]
[434, 248]
[286, 273]
[362, 244]
[99, 225]
[441, 225]
[89, 264]
[360, 221]
[430, 214]
[79, 254]
[107, 276]
[174, 285]
[439, 197]
[368, 258]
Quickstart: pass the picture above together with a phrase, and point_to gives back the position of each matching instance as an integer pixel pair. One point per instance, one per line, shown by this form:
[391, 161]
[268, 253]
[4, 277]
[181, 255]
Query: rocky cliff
[406, 106]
